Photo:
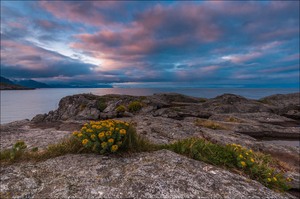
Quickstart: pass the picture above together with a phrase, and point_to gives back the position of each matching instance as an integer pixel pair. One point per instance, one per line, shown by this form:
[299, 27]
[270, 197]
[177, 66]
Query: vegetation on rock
[101, 105]
[134, 106]
[121, 109]
[256, 165]
[113, 136]
[107, 136]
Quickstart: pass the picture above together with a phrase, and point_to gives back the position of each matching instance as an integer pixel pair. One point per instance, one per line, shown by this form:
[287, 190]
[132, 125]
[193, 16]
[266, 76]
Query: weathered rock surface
[164, 118]
[32, 136]
[162, 174]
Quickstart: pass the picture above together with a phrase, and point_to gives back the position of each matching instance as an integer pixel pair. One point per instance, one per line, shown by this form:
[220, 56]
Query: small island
[171, 129]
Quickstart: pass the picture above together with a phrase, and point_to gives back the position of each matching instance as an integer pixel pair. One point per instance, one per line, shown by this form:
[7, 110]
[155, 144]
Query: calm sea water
[25, 104]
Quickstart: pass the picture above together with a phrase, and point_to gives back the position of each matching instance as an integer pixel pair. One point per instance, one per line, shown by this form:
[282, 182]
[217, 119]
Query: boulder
[161, 174]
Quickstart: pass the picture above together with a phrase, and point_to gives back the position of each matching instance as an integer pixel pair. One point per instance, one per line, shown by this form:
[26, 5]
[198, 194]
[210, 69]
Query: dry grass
[210, 124]
[234, 120]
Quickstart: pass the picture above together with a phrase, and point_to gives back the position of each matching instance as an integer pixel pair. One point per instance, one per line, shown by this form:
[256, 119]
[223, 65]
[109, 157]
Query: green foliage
[15, 152]
[101, 104]
[18, 153]
[210, 124]
[121, 109]
[256, 165]
[110, 136]
[134, 106]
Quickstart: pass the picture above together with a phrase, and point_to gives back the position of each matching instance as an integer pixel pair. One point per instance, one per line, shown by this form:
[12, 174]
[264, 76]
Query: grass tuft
[257, 166]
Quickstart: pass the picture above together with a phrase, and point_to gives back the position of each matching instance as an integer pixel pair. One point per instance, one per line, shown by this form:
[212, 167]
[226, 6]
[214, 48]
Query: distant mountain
[32, 84]
[29, 83]
[6, 84]
[5, 80]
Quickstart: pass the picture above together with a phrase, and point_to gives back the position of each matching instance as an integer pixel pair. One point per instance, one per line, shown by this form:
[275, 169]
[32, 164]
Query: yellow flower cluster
[244, 156]
[103, 136]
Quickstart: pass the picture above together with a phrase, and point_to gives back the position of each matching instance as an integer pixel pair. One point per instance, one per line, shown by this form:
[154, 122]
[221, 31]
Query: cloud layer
[205, 43]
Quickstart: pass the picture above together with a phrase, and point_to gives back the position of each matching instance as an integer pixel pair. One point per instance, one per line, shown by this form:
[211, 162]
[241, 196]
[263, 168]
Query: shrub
[256, 165]
[134, 106]
[202, 100]
[121, 109]
[106, 136]
[101, 104]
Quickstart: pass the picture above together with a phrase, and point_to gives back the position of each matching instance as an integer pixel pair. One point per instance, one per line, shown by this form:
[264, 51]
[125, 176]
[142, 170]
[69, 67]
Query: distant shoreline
[5, 86]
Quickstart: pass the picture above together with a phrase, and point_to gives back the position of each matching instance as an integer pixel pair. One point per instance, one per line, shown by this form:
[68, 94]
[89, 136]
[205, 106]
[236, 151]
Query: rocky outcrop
[287, 105]
[168, 117]
[163, 118]
[162, 174]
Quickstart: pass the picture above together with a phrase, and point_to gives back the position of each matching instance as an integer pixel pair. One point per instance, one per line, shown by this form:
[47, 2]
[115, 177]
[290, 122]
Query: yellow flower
[250, 151]
[75, 133]
[247, 153]
[117, 129]
[80, 135]
[111, 128]
[99, 127]
[93, 137]
[269, 180]
[114, 148]
[275, 179]
[85, 141]
[111, 140]
[83, 128]
[126, 124]
[240, 156]
[89, 130]
[101, 135]
[123, 132]
[103, 145]
[252, 160]
[94, 126]
[243, 163]
[108, 133]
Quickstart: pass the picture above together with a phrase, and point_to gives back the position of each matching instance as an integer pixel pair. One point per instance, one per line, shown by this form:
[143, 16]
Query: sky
[152, 43]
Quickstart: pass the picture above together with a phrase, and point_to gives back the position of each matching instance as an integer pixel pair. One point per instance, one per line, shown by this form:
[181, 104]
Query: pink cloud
[25, 56]
[241, 58]
[88, 12]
